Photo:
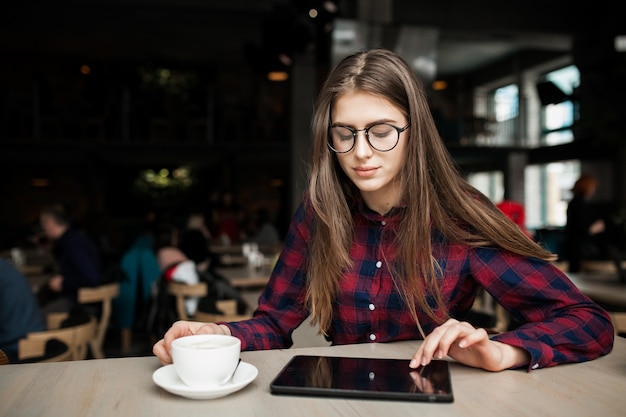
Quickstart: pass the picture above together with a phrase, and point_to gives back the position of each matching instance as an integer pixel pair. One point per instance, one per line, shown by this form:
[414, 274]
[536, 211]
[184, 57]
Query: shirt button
[383, 223]
[372, 307]
[372, 337]
[379, 264]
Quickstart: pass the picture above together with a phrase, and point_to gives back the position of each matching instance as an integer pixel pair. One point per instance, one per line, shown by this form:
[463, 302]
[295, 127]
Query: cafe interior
[121, 108]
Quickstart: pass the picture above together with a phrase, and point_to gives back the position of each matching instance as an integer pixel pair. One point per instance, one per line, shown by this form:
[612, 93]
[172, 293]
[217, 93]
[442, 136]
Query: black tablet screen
[364, 378]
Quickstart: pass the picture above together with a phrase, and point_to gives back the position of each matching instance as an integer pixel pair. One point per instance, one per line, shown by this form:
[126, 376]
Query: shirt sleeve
[281, 305]
[559, 323]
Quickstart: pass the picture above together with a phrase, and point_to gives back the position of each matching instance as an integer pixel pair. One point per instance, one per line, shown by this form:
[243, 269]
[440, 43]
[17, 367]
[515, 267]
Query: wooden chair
[83, 332]
[181, 290]
[229, 307]
[77, 339]
[4, 360]
[103, 294]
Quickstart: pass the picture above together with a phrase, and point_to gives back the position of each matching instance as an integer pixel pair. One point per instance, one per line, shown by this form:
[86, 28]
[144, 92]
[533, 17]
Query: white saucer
[167, 378]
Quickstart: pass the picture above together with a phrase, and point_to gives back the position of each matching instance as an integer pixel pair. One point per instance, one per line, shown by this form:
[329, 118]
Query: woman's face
[375, 173]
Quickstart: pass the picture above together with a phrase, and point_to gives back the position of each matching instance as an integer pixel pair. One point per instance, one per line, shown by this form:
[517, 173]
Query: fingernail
[462, 343]
[424, 362]
[413, 363]
[439, 354]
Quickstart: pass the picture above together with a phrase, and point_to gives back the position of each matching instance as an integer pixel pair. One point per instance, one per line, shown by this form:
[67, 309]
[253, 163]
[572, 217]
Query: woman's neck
[381, 203]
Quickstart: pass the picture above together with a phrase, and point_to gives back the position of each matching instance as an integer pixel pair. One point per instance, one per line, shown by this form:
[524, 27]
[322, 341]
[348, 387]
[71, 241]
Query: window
[539, 111]
[559, 110]
[489, 183]
[506, 103]
[497, 110]
[547, 186]
[547, 193]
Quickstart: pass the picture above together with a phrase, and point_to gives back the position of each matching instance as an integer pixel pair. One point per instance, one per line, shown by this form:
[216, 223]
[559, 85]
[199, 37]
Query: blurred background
[125, 108]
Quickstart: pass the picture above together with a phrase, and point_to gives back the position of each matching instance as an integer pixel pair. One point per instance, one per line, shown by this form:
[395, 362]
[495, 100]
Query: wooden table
[124, 387]
[231, 255]
[32, 269]
[245, 276]
[237, 249]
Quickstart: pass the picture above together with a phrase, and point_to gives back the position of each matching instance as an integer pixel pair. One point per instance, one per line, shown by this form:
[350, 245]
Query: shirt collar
[394, 214]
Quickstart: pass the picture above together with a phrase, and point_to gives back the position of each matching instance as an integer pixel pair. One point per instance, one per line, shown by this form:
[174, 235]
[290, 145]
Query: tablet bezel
[284, 384]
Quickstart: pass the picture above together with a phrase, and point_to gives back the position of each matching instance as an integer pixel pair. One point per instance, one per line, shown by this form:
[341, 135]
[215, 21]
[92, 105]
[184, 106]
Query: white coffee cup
[206, 360]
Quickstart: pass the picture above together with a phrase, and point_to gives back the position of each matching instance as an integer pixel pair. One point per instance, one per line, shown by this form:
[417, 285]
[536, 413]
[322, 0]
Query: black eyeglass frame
[367, 136]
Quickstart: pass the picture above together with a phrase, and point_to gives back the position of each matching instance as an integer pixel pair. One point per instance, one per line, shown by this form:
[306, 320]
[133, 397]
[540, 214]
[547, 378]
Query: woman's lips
[365, 172]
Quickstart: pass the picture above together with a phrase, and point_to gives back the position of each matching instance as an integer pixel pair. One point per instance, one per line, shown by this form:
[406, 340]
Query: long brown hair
[436, 195]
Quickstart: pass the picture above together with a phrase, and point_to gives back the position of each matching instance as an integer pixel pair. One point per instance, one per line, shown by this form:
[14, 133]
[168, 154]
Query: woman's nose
[362, 148]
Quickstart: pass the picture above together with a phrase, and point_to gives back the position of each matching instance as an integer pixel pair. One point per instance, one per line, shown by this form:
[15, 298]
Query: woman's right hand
[163, 348]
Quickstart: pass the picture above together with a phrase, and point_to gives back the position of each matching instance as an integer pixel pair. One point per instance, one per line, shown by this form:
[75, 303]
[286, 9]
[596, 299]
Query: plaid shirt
[561, 324]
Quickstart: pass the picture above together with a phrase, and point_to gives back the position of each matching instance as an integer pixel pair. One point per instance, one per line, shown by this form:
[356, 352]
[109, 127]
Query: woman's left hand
[470, 346]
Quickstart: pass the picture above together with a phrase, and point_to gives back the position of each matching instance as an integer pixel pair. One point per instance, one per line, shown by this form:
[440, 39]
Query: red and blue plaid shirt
[559, 323]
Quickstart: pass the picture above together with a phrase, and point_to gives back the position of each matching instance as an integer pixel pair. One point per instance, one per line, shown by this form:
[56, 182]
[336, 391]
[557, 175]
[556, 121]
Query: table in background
[36, 275]
[35, 268]
[37, 281]
[244, 277]
[124, 386]
[237, 249]
[232, 255]
[601, 287]
[32, 269]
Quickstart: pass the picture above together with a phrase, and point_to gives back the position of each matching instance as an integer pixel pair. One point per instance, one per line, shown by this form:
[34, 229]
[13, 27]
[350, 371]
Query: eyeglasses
[382, 136]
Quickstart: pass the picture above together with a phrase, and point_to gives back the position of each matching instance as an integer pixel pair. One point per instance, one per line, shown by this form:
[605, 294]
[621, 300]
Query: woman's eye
[380, 131]
[343, 134]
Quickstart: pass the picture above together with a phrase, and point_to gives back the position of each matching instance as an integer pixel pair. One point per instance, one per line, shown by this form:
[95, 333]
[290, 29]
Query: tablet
[366, 378]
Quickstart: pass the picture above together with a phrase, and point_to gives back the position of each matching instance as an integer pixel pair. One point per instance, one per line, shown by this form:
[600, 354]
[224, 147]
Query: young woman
[391, 243]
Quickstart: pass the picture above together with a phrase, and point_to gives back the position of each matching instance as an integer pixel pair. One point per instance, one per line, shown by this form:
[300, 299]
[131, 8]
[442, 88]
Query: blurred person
[582, 224]
[390, 243]
[196, 220]
[19, 311]
[184, 256]
[140, 270]
[166, 246]
[228, 217]
[264, 232]
[194, 245]
[587, 233]
[77, 260]
[209, 209]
